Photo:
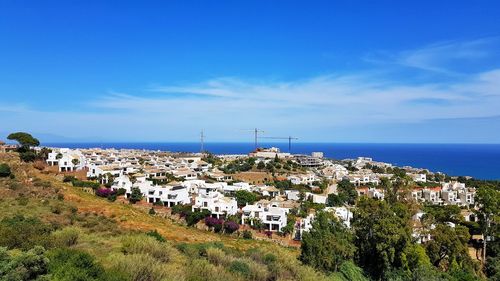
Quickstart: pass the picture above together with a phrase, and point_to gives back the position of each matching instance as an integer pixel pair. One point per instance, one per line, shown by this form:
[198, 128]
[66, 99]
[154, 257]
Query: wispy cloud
[441, 57]
[322, 106]
[333, 99]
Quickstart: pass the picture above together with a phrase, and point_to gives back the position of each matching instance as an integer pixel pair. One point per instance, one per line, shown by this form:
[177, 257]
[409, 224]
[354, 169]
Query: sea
[481, 161]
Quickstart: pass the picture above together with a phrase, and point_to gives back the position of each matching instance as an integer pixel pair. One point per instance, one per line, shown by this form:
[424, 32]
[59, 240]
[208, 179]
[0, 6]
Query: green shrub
[68, 178]
[121, 191]
[5, 170]
[143, 244]
[247, 234]
[28, 156]
[91, 184]
[140, 267]
[70, 264]
[65, 237]
[202, 270]
[269, 258]
[29, 265]
[23, 233]
[217, 257]
[194, 217]
[22, 200]
[240, 267]
[156, 235]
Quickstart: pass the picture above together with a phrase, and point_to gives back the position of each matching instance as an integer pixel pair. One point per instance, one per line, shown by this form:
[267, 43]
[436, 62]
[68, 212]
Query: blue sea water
[477, 160]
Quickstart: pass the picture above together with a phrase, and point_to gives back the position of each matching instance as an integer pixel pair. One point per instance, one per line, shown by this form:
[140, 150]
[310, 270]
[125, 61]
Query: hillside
[37, 208]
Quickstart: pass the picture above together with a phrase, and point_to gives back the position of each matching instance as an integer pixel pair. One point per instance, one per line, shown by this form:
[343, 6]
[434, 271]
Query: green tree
[135, 195]
[488, 200]
[71, 264]
[442, 214]
[449, 245]
[347, 192]
[261, 165]
[23, 233]
[4, 170]
[24, 139]
[327, 245]
[28, 265]
[243, 197]
[335, 200]
[383, 233]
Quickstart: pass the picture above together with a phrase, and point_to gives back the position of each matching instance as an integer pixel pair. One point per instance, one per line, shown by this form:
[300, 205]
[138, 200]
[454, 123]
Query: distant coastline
[481, 161]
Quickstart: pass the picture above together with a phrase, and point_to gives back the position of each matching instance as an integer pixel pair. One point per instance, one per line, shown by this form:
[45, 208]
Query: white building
[342, 213]
[175, 195]
[273, 218]
[269, 153]
[216, 203]
[67, 159]
[316, 198]
[303, 225]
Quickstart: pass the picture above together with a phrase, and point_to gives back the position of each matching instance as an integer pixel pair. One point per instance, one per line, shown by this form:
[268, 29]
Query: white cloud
[317, 107]
[333, 99]
[441, 57]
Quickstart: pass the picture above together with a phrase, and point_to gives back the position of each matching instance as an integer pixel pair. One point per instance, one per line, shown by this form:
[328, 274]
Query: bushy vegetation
[4, 170]
[79, 183]
[239, 165]
[244, 197]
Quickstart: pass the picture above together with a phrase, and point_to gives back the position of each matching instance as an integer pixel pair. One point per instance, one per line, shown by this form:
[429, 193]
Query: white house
[303, 225]
[122, 181]
[293, 195]
[316, 198]
[342, 213]
[273, 218]
[306, 179]
[175, 195]
[68, 160]
[216, 203]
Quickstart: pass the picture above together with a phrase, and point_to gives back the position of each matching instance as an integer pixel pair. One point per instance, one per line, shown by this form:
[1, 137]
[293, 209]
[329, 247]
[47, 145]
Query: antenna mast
[202, 141]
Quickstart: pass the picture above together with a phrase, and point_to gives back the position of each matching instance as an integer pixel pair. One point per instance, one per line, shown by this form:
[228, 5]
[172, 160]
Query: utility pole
[202, 141]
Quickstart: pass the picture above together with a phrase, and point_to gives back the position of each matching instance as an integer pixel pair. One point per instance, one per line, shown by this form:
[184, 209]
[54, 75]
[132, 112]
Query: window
[205, 204]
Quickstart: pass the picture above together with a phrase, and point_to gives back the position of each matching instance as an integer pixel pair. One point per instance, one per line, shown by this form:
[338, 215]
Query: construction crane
[289, 138]
[256, 135]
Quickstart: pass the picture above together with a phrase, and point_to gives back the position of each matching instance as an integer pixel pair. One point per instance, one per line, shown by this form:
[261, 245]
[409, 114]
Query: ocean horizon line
[265, 142]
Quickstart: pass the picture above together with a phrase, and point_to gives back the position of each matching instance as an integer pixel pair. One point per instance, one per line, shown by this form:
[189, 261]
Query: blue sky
[329, 71]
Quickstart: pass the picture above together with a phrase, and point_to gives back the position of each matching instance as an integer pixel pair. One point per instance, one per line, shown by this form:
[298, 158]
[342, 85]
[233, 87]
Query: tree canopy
[327, 245]
[382, 234]
[24, 139]
[243, 197]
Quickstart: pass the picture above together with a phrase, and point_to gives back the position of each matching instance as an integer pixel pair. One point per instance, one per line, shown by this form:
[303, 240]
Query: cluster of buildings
[171, 179]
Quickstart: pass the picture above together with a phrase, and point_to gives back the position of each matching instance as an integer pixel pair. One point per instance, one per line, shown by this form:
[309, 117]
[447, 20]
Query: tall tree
[135, 195]
[327, 245]
[488, 200]
[243, 197]
[24, 139]
[449, 246]
[382, 234]
[347, 192]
